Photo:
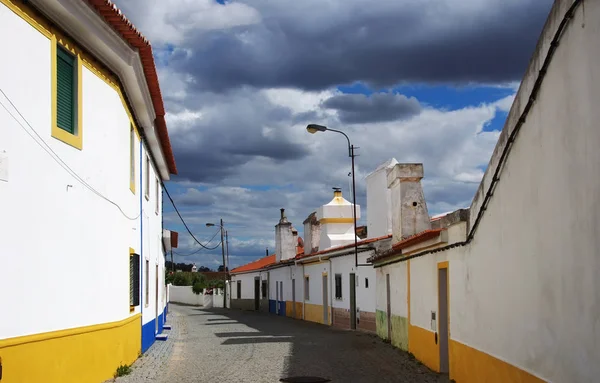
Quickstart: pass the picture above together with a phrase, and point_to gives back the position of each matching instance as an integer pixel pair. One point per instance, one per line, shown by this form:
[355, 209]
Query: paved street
[215, 345]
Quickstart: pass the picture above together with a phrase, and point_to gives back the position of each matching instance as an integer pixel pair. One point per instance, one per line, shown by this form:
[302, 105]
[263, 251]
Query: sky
[427, 81]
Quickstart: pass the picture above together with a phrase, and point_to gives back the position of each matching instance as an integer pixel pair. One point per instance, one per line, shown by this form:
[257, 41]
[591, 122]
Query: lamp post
[224, 264]
[314, 128]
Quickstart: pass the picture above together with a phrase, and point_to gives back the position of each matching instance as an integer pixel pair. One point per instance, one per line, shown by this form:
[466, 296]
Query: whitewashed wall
[525, 290]
[185, 294]
[247, 290]
[315, 273]
[365, 297]
[89, 239]
[281, 274]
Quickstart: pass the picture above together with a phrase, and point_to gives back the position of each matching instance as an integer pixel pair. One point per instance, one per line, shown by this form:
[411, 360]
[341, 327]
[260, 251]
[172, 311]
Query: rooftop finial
[337, 192]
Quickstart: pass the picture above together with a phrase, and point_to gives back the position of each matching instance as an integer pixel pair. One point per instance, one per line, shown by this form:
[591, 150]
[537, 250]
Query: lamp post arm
[350, 153]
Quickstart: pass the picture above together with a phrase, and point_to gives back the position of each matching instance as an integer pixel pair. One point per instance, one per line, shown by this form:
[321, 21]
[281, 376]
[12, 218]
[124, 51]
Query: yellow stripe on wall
[470, 365]
[314, 313]
[422, 345]
[80, 355]
[289, 309]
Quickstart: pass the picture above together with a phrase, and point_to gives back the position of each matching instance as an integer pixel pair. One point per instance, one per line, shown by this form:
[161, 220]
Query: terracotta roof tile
[258, 264]
[408, 241]
[348, 246]
[117, 20]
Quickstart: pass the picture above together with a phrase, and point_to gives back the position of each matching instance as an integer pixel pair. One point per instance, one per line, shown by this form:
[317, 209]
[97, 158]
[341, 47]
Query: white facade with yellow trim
[72, 199]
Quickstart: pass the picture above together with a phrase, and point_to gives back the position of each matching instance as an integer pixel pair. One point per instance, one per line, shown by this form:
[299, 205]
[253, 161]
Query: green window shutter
[134, 280]
[65, 90]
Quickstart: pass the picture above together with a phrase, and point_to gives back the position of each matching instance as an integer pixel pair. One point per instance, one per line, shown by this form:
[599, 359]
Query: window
[157, 196]
[147, 282]
[338, 286]
[66, 88]
[239, 289]
[147, 178]
[264, 289]
[306, 289]
[134, 279]
[66, 92]
[366, 283]
[131, 158]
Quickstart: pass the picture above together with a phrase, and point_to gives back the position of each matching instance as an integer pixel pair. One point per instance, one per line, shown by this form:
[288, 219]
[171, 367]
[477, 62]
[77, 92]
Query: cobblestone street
[216, 345]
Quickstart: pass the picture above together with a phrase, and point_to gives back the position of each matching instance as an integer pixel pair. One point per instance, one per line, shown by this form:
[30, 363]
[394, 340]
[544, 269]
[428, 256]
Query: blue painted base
[148, 329]
[272, 306]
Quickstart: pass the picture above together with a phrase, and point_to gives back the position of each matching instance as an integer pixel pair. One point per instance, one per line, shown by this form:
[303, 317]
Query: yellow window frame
[75, 140]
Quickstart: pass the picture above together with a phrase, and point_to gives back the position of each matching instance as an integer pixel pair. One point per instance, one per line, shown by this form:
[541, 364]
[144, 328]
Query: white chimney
[312, 234]
[285, 247]
[409, 209]
[379, 201]
[337, 224]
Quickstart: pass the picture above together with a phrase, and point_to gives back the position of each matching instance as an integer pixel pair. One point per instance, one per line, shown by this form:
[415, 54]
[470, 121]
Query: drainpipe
[141, 243]
[331, 276]
[303, 295]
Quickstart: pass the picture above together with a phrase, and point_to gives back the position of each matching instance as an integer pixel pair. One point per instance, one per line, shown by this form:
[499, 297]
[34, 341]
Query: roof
[115, 18]
[342, 247]
[407, 242]
[258, 264]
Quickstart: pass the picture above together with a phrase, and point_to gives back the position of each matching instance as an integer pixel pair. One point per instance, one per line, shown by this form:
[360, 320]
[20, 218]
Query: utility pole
[223, 252]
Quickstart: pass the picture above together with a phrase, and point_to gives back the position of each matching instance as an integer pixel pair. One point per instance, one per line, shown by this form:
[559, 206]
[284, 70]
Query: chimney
[312, 233]
[285, 247]
[379, 201]
[267, 252]
[336, 221]
[409, 209]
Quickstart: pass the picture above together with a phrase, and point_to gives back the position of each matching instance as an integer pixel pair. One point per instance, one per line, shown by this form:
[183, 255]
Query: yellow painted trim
[11, 342]
[131, 251]
[46, 28]
[422, 345]
[75, 140]
[336, 220]
[29, 15]
[315, 262]
[469, 365]
[408, 290]
[441, 266]
[83, 354]
[134, 164]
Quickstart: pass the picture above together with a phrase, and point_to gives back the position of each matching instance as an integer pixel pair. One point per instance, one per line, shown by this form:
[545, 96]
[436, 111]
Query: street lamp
[314, 128]
[224, 264]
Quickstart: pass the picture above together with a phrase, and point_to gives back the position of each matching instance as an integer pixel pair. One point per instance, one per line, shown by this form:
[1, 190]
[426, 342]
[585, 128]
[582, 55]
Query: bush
[182, 279]
[216, 283]
[122, 370]
[198, 287]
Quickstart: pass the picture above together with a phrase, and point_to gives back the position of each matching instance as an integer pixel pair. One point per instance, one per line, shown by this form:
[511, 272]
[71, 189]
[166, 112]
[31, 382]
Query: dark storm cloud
[230, 133]
[379, 107]
[383, 44]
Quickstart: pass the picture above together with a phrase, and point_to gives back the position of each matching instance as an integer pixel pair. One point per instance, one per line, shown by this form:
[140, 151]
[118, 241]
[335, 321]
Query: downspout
[141, 244]
[331, 292]
[303, 294]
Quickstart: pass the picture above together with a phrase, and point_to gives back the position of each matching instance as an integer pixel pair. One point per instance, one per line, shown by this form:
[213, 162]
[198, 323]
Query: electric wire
[183, 221]
[56, 157]
[200, 249]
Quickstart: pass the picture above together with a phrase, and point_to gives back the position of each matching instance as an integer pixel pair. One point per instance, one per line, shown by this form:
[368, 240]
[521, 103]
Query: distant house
[194, 268]
[85, 152]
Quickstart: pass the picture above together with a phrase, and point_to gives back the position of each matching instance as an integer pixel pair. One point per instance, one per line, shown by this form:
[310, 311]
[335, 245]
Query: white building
[317, 279]
[83, 151]
[507, 290]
